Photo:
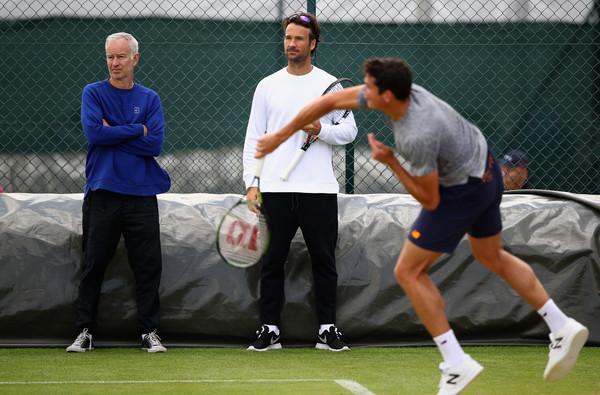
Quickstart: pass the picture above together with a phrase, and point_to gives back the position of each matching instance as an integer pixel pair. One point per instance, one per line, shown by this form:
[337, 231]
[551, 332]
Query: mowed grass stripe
[350, 385]
[406, 370]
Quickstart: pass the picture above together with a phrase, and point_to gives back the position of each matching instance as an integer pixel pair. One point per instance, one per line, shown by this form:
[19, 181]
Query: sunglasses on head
[303, 18]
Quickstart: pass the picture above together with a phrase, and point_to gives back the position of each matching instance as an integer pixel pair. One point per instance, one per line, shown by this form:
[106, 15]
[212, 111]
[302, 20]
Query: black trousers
[107, 216]
[317, 217]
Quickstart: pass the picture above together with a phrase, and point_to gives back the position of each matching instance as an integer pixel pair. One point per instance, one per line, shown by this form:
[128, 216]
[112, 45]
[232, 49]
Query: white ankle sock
[324, 327]
[273, 328]
[554, 317]
[451, 351]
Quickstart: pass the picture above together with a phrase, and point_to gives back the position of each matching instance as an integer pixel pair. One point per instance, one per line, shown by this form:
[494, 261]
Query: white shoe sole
[276, 346]
[564, 365]
[322, 346]
[69, 349]
[155, 349]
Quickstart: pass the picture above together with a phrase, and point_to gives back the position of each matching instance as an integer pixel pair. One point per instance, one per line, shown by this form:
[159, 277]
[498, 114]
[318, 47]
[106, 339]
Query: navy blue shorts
[472, 208]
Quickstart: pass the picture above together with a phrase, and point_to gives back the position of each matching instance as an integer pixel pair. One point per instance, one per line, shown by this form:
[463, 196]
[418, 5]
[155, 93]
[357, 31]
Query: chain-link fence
[526, 72]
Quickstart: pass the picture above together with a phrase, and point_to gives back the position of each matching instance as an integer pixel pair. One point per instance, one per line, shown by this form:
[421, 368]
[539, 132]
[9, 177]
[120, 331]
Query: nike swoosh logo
[323, 339]
[274, 340]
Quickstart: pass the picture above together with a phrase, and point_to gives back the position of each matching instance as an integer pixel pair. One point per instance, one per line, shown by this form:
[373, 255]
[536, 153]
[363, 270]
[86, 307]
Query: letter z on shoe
[565, 345]
[455, 379]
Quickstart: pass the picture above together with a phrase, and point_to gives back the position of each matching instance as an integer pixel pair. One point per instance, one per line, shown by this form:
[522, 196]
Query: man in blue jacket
[124, 125]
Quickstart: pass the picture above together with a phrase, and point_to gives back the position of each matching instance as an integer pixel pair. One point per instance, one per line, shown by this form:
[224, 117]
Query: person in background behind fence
[124, 125]
[308, 199]
[515, 170]
[458, 181]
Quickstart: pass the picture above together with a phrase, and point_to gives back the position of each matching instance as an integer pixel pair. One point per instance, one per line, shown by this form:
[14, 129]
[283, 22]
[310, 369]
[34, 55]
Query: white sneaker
[455, 379]
[565, 345]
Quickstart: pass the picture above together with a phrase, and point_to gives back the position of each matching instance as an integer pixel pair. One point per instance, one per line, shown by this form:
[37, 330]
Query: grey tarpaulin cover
[207, 302]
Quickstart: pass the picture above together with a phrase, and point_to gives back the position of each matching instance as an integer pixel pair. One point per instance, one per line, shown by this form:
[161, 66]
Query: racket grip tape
[259, 166]
[286, 174]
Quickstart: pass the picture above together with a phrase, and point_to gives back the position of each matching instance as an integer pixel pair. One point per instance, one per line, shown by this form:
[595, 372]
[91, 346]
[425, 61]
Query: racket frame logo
[246, 235]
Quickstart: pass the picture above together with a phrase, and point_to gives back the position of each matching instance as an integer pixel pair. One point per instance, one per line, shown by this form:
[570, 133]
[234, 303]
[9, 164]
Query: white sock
[554, 317]
[273, 328]
[451, 351]
[324, 327]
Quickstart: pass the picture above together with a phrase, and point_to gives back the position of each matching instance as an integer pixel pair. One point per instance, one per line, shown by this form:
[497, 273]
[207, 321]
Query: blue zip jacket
[120, 158]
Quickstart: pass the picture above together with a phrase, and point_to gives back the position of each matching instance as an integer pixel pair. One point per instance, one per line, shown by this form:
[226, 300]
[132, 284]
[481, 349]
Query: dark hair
[390, 73]
[307, 20]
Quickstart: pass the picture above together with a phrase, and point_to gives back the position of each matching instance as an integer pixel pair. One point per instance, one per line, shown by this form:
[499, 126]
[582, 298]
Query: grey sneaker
[151, 342]
[82, 343]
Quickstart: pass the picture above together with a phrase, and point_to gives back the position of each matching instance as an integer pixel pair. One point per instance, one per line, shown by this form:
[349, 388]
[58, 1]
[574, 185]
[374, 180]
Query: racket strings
[338, 115]
[243, 236]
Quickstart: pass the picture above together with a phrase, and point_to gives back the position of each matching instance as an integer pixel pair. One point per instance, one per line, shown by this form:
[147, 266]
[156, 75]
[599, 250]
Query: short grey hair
[133, 43]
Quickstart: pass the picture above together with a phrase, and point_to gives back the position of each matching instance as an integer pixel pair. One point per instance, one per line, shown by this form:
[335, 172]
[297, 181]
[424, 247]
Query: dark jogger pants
[317, 216]
[107, 216]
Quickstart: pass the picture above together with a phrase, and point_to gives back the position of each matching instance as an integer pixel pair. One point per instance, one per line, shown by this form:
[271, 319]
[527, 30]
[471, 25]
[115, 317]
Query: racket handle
[259, 165]
[286, 174]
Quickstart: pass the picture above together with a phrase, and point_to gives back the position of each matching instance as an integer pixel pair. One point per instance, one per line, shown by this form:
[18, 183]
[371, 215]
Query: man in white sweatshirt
[458, 181]
[308, 198]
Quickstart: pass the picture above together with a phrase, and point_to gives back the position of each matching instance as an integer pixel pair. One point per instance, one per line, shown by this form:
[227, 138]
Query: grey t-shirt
[434, 136]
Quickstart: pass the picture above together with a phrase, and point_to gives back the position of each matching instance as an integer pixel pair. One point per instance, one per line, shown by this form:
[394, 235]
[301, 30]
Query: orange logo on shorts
[487, 176]
[416, 234]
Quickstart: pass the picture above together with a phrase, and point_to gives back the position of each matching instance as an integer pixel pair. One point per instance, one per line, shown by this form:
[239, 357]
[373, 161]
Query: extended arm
[344, 99]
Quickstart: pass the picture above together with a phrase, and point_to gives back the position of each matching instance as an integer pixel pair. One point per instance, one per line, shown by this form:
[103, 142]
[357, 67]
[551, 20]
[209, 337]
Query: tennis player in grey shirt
[434, 136]
[458, 181]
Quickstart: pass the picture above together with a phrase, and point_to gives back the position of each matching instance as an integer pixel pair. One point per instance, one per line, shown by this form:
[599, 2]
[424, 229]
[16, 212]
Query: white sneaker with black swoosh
[264, 340]
[332, 340]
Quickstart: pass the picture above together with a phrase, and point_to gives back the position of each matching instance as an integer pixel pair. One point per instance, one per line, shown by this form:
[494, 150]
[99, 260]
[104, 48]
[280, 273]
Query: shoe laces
[82, 337]
[153, 339]
[259, 332]
[338, 334]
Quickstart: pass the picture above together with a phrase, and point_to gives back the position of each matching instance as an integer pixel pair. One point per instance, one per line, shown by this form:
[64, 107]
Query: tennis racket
[243, 233]
[337, 117]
